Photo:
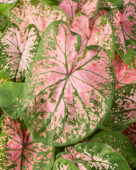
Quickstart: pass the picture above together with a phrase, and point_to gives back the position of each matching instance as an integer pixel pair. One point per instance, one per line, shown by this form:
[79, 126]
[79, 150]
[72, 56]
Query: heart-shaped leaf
[17, 52]
[123, 109]
[88, 156]
[68, 91]
[64, 164]
[11, 95]
[124, 25]
[41, 15]
[17, 150]
[118, 142]
[70, 7]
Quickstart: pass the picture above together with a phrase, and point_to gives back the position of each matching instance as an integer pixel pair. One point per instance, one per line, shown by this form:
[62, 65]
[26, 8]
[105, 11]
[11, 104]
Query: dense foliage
[67, 84]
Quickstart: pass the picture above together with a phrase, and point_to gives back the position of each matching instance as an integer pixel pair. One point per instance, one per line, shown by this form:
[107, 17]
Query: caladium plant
[68, 77]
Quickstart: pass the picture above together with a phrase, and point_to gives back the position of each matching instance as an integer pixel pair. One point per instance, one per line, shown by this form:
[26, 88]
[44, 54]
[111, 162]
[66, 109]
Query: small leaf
[123, 109]
[68, 91]
[64, 164]
[17, 150]
[118, 142]
[17, 51]
[11, 95]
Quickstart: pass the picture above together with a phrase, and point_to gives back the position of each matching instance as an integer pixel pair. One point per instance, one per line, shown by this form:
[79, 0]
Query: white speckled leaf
[41, 15]
[17, 51]
[123, 109]
[119, 142]
[68, 92]
[64, 164]
[17, 150]
[11, 95]
[124, 25]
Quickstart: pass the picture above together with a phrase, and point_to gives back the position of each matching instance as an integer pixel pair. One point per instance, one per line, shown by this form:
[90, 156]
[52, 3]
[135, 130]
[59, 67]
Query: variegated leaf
[123, 109]
[17, 150]
[118, 142]
[41, 15]
[68, 91]
[11, 95]
[129, 1]
[70, 7]
[99, 156]
[64, 164]
[102, 35]
[124, 74]
[18, 51]
[124, 25]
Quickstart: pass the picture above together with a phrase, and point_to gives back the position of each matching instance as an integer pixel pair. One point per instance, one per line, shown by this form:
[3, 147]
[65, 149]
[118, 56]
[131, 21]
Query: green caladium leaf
[123, 109]
[118, 142]
[17, 150]
[11, 95]
[68, 91]
[99, 156]
[64, 164]
[124, 25]
[41, 15]
[17, 51]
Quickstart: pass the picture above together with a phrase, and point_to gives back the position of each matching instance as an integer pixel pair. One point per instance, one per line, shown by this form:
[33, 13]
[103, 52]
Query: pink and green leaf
[68, 91]
[18, 51]
[41, 15]
[11, 95]
[123, 109]
[124, 25]
[17, 150]
[118, 142]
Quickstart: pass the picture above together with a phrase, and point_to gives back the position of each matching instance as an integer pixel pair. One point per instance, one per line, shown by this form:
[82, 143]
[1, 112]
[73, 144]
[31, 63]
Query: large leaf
[96, 156]
[70, 7]
[118, 142]
[124, 74]
[64, 164]
[123, 109]
[68, 92]
[17, 150]
[17, 51]
[102, 35]
[40, 15]
[124, 25]
[11, 95]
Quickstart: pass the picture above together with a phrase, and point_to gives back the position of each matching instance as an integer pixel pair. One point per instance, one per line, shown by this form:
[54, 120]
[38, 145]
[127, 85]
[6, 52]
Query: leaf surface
[17, 51]
[17, 150]
[11, 95]
[118, 142]
[124, 25]
[68, 91]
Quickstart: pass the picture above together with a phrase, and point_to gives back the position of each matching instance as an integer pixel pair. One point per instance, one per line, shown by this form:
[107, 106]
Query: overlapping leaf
[68, 92]
[17, 51]
[11, 95]
[41, 15]
[118, 142]
[96, 156]
[17, 150]
[124, 25]
[123, 109]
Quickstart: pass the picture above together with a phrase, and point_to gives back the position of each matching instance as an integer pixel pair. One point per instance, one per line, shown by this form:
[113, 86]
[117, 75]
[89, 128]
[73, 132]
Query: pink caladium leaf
[123, 110]
[124, 25]
[17, 51]
[17, 150]
[41, 15]
[124, 74]
[129, 1]
[68, 91]
[95, 156]
[70, 7]
[102, 35]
